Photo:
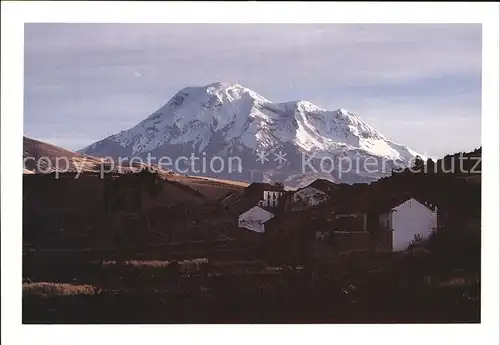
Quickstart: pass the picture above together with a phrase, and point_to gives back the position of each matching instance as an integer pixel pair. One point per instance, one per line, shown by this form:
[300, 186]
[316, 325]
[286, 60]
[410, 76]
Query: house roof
[389, 203]
[310, 196]
[309, 191]
[375, 203]
[257, 213]
[261, 186]
[237, 203]
[323, 185]
[308, 218]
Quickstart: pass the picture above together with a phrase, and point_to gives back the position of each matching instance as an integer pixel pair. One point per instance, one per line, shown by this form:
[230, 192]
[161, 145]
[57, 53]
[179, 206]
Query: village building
[308, 197]
[270, 198]
[290, 236]
[325, 186]
[254, 219]
[266, 195]
[409, 219]
[392, 223]
[323, 224]
[322, 231]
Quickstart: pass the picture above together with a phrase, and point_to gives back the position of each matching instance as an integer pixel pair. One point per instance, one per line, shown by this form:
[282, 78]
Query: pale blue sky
[418, 84]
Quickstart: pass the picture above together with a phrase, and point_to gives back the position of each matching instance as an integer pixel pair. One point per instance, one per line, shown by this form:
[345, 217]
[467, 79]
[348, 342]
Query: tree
[124, 194]
[430, 165]
[280, 185]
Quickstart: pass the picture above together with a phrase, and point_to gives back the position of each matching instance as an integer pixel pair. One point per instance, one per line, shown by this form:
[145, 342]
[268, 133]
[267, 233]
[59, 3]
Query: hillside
[210, 187]
[43, 157]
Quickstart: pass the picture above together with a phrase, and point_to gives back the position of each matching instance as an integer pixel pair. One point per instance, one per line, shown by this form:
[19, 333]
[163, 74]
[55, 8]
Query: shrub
[457, 248]
[56, 289]
[418, 241]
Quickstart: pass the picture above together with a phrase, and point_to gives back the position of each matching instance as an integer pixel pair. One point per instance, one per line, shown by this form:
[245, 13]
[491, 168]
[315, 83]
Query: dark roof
[323, 185]
[186, 188]
[261, 186]
[375, 203]
[308, 218]
[237, 203]
[386, 204]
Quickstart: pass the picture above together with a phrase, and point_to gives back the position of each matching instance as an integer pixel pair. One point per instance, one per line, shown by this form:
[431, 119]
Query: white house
[404, 218]
[265, 194]
[308, 197]
[408, 219]
[254, 219]
[270, 198]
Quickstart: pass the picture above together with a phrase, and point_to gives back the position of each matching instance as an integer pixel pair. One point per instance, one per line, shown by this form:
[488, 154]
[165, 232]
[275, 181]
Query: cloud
[83, 73]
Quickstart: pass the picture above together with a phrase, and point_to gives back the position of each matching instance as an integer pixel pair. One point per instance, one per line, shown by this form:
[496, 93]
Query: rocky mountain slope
[229, 131]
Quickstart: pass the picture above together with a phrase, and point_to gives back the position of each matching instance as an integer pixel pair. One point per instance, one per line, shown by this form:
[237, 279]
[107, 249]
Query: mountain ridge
[41, 156]
[222, 119]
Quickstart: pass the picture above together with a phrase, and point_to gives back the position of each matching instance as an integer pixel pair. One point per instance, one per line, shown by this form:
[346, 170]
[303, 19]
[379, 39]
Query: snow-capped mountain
[229, 131]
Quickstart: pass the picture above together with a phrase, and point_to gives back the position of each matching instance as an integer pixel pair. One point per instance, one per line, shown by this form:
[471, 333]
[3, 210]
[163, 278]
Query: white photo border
[15, 14]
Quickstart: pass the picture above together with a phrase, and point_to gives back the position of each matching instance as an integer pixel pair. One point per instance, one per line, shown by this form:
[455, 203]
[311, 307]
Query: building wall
[308, 197]
[382, 240]
[352, 241]
[385, 220]
[409, 219]
[271, 198]
[254, 219]
[351, 222]
[256, 225]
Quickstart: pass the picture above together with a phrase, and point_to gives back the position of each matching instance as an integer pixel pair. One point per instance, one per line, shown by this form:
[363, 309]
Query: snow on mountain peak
[223, 92]
[225, 115]
[344, 112]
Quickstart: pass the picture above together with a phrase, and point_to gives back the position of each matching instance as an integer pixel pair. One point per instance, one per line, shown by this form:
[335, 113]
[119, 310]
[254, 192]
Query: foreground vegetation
[435, 280]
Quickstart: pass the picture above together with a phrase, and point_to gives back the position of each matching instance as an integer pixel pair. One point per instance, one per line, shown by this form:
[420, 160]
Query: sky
[417, 84]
